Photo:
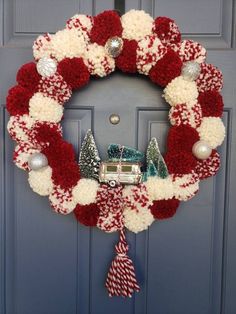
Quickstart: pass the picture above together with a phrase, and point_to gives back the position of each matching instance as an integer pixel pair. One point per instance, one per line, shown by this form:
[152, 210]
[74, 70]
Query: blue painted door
[49, 264]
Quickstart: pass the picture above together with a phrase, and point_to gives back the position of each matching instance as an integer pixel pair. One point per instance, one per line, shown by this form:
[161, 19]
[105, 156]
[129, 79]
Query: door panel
[49, 263]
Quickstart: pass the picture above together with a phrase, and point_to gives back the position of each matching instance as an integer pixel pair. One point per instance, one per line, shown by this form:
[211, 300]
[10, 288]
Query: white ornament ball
[37, 161]
[46, 67]
[191, 70]
[201, 150]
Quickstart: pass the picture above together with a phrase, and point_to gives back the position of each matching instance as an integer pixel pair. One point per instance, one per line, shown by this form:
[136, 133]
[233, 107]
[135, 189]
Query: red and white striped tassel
[121, 279]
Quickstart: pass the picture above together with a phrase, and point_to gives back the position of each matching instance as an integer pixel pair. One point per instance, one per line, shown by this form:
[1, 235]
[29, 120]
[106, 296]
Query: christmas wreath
[118, 193]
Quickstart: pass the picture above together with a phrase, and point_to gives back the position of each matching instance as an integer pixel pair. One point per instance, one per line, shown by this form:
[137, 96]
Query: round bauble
[46, 67]
[190, 70]
[114, 46]
[37, 161]
[201, 150]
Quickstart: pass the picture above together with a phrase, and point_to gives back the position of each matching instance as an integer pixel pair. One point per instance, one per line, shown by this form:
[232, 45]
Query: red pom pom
[66, 175]
[74, 72]
[18, 100]
[126, 61]
[105, 25]
[167, 30]
[59, 153]
[164, 208]
[28, 77]
[208, 167]
[166, 69]
[45, 133]
[87, 214]
[180, 163]
[181, 138]
[211, 103]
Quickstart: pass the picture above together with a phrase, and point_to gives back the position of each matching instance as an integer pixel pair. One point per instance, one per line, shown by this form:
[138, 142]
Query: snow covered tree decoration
[124, 153]
[156, 165]
[89, 159]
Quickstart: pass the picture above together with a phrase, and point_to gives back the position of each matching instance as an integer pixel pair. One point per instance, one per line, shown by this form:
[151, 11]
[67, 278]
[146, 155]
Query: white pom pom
[137, 221]
[67, 44]
[45, 109]
[180, 91]
[40, 181]
[136, 24]
[159, 189]
[212, 131]
[85, 191]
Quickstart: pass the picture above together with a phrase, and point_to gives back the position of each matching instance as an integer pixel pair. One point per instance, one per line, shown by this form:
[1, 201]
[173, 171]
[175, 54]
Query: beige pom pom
[40, 181]
[85, 191]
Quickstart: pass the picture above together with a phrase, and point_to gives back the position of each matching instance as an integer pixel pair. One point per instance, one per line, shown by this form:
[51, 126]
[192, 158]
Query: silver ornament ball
[46, 67]
[37, 161]
[201, 150]
[190, 70]
[114, 46]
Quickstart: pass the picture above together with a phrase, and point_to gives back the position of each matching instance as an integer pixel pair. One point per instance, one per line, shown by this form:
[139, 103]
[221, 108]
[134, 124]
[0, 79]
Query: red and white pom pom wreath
[95, 47]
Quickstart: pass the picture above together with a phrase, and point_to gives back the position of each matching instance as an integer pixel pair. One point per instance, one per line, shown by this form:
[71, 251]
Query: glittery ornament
[89, 159]
[191, 70]
[37, 161]
[128, 153]
[46, 67]
[154, 157]
[114, 46]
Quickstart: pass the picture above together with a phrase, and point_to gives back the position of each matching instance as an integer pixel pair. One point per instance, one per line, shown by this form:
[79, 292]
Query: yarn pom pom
[164, 208]
[167, 31]
[181, 138]
[210, 78]
[85, 191]
[66, 175]
[87, 214]
[180, 162]
[208, 167]
[105, 25]
[211, 103]
[62, 201]
[28, 77]
[56, 157]
[184, 114]
[166, 69]
[18, 100]
[126, 61]
[74, 72]
[45, 133]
